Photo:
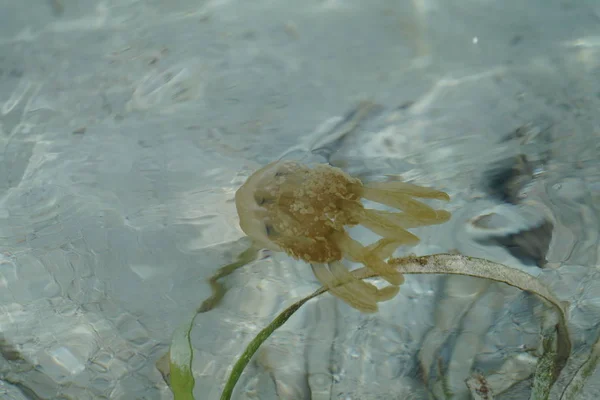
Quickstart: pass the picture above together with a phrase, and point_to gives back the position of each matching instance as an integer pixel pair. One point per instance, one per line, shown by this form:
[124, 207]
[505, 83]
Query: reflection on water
[126, 128]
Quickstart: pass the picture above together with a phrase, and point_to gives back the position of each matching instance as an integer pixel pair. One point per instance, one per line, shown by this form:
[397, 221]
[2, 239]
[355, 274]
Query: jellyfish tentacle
[304, 211]
[377, 222]
[387, 293]
[341, 273]
[357, 252]
[384, 270]
[410, 189]
[387, 228]
[407, 221]
[384, 248]
[400, 201]
[359, 300]
[343, 276]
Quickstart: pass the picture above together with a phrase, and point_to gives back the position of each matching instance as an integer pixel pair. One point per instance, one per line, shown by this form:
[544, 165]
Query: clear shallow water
[127, 126]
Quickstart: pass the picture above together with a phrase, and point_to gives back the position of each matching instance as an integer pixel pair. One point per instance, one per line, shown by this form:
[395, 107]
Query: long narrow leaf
[180, 363]
[433, 264]
[181, 378]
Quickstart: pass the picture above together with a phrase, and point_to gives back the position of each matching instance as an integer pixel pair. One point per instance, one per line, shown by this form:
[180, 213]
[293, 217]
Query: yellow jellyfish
[304, 211]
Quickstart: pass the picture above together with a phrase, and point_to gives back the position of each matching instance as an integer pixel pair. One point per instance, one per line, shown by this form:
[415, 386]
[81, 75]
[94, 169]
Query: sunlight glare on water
[126, 128]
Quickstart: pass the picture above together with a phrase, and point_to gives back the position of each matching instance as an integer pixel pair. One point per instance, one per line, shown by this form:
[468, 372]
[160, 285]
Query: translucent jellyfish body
[304, 211]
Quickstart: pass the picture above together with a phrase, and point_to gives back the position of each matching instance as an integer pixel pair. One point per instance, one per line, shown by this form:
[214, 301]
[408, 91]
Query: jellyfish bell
[304, 211]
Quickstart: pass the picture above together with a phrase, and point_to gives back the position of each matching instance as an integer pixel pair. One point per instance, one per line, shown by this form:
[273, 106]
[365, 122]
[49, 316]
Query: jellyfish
[305, 211]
